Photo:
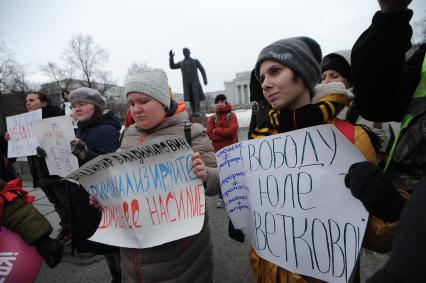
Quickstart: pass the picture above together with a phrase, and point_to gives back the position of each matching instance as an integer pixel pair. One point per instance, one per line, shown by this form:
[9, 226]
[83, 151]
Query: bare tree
[12, 75]
[88, 59]
[13, 85]
[136, 68]
[63, 77]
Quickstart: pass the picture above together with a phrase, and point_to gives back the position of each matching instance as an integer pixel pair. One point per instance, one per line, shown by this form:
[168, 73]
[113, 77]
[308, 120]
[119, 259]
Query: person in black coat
[386, 89]
[51, 185]
[98, 133]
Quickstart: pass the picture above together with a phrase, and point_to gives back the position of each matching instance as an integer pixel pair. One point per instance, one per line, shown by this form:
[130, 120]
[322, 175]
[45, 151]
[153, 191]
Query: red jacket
[223, 133]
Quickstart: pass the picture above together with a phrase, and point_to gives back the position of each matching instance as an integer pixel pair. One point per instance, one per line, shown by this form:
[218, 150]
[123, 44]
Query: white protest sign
[23, 141]
[150, 195]
[287, 193]
[68, 112]
[54, 136]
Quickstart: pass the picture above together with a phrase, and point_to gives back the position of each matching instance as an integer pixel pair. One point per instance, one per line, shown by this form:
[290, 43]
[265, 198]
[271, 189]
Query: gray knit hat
[301, 54]
[151, 82]
[88, 95]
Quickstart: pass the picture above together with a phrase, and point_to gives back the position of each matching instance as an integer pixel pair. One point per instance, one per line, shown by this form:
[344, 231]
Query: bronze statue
[192, 90]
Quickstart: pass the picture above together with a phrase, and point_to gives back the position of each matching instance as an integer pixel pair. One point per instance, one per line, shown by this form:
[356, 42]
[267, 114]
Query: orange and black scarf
[281, 121]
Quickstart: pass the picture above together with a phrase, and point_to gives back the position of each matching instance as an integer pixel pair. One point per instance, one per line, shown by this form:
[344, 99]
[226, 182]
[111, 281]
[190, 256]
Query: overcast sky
[226, 36]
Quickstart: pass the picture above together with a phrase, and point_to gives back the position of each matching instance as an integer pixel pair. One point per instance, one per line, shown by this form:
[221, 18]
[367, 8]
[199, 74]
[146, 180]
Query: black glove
[41, 152]
[235, 234]
[368, 184]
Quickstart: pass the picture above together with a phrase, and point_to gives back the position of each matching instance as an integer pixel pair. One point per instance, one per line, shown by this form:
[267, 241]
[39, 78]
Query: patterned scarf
[281, 121]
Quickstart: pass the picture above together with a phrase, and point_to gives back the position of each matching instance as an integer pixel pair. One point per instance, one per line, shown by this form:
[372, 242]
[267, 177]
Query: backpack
[228, 118]
[187, 129]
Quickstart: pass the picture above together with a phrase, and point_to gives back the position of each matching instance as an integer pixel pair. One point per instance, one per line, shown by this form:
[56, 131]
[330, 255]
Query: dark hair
[220, 97]
[337, 63]
[63, 93]
[97, 114]
[296, 78]
[42, 96]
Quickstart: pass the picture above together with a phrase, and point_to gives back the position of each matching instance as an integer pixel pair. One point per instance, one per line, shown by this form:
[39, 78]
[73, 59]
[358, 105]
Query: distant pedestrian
[222, 129]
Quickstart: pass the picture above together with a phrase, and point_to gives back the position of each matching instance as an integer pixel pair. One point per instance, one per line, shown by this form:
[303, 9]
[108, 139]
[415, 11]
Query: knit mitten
[78, 148]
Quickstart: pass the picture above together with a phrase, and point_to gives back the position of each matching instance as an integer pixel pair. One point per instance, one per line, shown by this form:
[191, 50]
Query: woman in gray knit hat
[155, 114]
[287, 72]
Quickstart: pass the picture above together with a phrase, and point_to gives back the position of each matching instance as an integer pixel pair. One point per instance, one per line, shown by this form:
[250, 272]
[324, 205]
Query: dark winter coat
[260, 108]
[408, 258]
[383, 80]
[259, 114]
[378, 57]
[101, 136]
[384, 84]
[221, 131]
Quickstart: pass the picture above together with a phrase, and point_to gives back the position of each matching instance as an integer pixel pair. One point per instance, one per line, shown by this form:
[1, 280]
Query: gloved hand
[78, 148]
[368, 184]
[41, 152]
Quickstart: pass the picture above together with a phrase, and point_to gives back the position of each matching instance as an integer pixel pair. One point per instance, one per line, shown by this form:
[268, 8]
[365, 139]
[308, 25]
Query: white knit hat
[151, 82]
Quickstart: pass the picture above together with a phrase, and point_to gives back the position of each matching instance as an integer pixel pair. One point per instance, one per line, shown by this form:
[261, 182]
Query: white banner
[287, 193]
[150, 195]
[23, 141]
[54, 136]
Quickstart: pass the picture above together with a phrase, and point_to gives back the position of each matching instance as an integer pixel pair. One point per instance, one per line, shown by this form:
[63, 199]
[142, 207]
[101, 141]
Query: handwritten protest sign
[54, 136]
[150, 195]
[287, 193]
[23, 141]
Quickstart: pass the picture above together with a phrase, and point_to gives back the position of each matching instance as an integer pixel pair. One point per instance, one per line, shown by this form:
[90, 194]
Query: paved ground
[231, 261]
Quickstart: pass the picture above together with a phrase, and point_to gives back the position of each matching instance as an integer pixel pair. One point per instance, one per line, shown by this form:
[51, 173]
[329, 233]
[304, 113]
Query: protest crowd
[310, 113]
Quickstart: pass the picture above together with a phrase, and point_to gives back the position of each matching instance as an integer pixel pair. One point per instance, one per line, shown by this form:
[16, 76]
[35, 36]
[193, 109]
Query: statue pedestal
[203, 120]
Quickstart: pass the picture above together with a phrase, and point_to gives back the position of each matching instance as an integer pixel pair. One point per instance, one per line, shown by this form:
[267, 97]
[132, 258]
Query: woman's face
[146, 111]
[83, 111]
[280, 87]
[33, 102]
[329, 76]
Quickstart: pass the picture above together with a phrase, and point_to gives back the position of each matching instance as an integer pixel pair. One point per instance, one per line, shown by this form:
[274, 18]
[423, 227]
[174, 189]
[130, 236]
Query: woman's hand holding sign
[199, 167]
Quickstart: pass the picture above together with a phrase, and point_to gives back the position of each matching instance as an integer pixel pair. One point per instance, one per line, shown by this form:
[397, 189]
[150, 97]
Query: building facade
[238, 90]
